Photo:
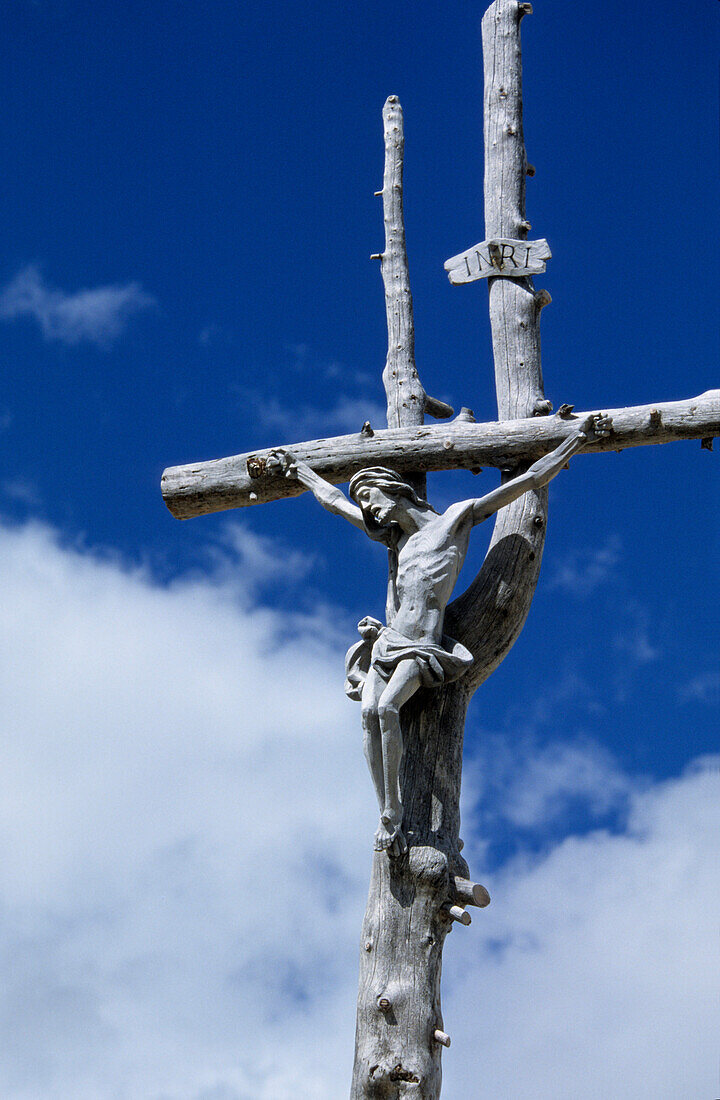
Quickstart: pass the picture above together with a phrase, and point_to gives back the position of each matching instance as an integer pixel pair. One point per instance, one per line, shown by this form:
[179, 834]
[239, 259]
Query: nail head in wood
[256, 466]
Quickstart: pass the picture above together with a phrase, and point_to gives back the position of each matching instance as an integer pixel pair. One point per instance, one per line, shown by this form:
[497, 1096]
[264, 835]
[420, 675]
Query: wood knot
[397, 1073]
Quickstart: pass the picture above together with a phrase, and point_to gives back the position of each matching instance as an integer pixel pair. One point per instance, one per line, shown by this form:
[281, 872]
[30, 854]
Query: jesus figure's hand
[596, 426]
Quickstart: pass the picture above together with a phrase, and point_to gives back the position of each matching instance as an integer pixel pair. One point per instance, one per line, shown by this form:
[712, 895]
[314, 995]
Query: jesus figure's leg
[402, 685]
[372, 739]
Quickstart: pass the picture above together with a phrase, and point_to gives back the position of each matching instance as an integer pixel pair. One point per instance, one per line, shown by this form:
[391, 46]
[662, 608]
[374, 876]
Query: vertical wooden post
[490, 615]
[403, 389]
[413, 902]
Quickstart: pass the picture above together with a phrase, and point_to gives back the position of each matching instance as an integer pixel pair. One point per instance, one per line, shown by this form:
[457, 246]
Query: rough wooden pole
[491, 614]
[399, 1031]
[411, 902]
[241, 481]
[403, 389]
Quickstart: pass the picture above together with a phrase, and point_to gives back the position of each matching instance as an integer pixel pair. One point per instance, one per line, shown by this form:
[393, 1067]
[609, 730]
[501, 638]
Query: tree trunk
[414, 901]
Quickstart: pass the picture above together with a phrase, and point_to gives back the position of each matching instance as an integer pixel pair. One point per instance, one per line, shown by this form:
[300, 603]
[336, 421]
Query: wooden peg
[438, 409]
[465, 892]
[442, 1038]
[456, 912]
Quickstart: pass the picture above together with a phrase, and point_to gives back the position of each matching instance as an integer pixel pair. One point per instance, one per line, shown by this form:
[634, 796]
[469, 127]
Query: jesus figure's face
[382, 507]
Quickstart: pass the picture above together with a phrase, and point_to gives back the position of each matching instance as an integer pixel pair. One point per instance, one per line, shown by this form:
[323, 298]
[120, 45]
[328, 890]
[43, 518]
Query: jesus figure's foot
[389, 836]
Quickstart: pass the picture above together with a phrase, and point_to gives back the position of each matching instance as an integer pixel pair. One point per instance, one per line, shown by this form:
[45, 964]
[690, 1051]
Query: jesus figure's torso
[429, 563]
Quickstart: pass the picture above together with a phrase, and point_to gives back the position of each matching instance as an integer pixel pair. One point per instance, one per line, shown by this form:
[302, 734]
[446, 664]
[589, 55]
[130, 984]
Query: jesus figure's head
[382, 495]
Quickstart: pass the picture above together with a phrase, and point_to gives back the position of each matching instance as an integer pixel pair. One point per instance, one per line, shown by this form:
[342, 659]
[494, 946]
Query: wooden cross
[414, 899]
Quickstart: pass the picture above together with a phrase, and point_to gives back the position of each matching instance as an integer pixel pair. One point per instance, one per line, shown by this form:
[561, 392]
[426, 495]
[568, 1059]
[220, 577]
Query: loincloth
[383, 648]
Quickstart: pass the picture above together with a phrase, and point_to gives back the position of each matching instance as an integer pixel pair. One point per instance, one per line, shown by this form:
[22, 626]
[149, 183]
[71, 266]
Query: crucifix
[415, 674]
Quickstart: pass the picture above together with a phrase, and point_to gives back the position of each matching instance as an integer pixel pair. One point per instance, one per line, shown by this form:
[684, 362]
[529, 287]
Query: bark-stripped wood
[403, 389]
[202, 487]
[410, 907]
[511, 257]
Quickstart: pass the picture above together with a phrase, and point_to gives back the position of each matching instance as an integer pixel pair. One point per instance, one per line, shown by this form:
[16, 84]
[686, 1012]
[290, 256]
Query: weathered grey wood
[465, 892]
[203, 487]
[511, 257]
[406, 917]
[403, 389]
[403, 931]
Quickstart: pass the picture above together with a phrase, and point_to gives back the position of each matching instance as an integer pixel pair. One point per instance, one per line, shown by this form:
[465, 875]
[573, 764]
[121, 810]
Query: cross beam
[239, 481]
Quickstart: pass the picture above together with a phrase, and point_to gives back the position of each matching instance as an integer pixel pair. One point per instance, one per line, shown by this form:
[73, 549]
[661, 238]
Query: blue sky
[188, 209]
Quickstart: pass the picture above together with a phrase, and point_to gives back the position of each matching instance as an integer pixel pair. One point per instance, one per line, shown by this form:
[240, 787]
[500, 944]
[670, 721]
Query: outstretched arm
[545, 469]
[326, 494]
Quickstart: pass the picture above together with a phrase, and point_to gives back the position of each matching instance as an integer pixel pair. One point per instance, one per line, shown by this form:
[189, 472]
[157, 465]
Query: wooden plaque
[502, 256]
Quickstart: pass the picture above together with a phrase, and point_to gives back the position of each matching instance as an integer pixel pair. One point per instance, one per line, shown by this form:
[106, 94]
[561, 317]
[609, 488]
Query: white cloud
[346, 414]
[586, 568]
[705, 688]
[22, 491]
[97, 315]
[532, 785]
[185, 835]
[594, 972]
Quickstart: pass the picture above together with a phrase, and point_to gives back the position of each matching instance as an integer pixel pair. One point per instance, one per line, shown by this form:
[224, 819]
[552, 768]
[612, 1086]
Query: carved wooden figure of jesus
[427, 551]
